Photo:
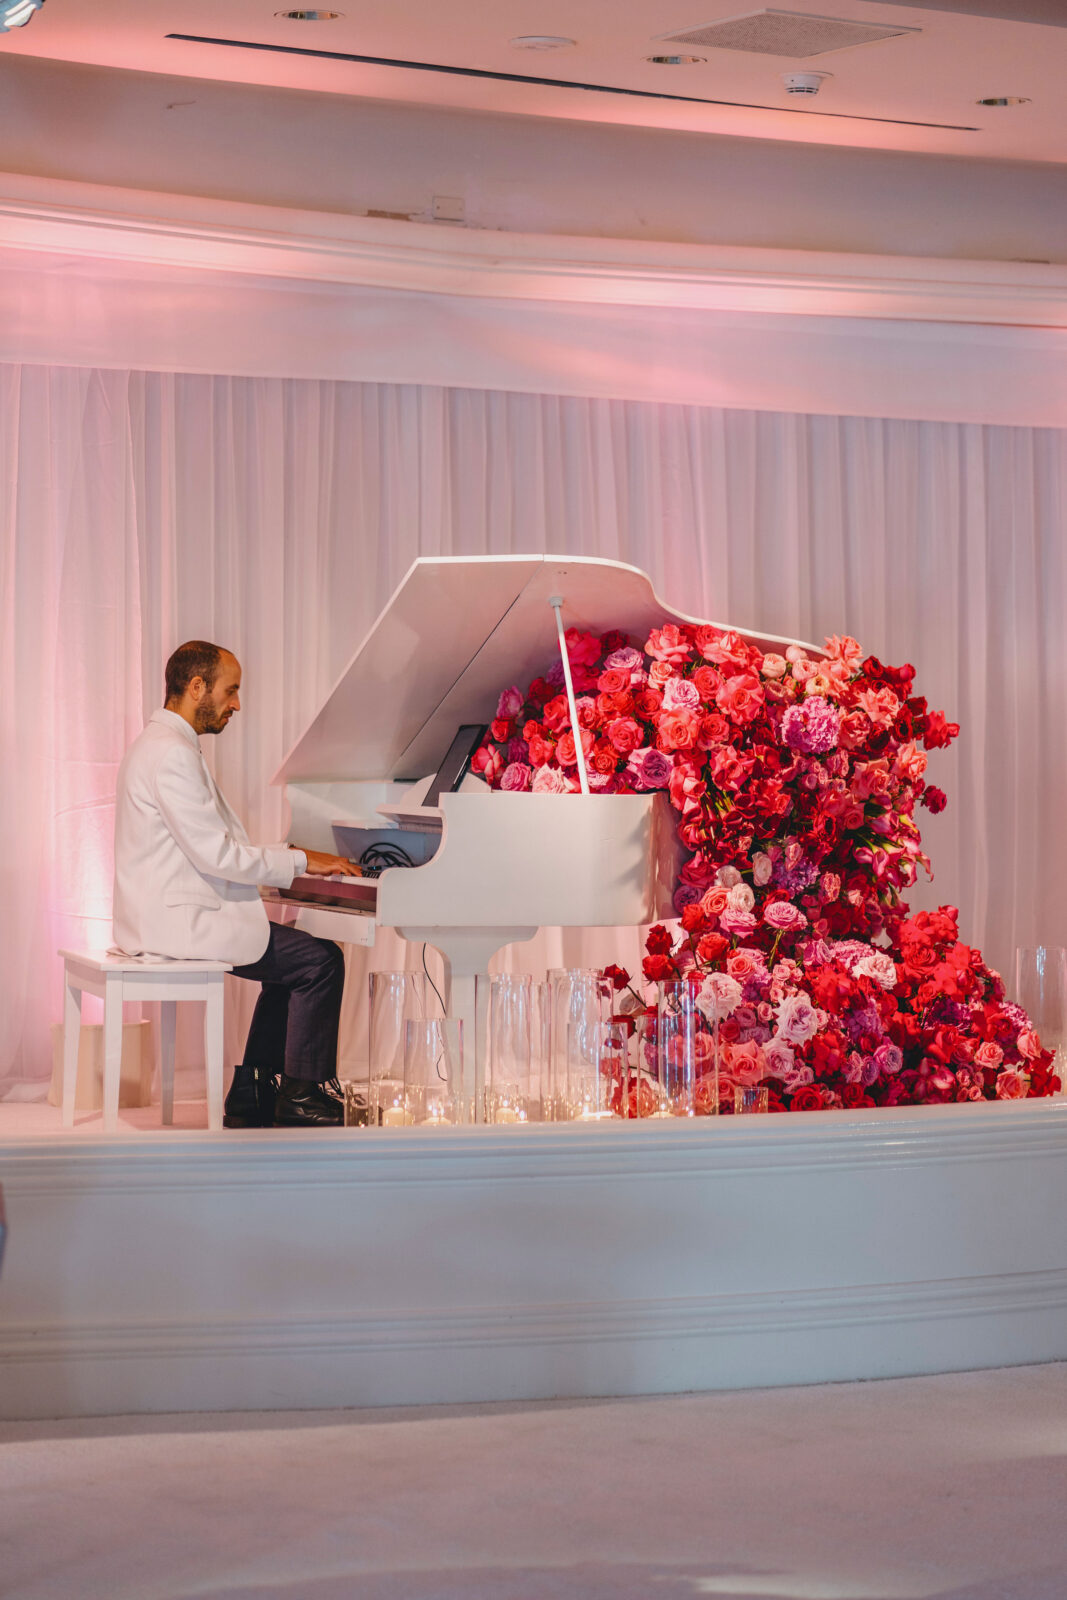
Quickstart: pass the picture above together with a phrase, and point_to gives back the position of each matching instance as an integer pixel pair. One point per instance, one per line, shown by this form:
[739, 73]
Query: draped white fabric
[276, 515]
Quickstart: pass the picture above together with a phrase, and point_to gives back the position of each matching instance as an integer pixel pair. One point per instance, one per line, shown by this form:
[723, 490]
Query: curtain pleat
[276, 516]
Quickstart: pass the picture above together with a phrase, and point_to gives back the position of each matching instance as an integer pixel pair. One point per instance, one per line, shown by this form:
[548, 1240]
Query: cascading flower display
[796, 779]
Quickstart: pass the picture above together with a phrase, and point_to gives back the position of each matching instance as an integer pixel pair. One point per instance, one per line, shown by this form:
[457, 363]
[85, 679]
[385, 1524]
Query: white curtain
[276, 515]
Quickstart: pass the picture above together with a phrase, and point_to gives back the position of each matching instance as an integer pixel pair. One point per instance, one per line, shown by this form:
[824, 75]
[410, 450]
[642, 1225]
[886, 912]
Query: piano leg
[466, 953]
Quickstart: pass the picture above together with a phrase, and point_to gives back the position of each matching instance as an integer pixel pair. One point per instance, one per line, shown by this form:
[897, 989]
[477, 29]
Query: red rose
[647, 702]
[613, 682]
[938, 732]
[618, 975]
[934, 800]
[558, 713]
[854, 1094]
[500, 729]
[657, 969]
[659, 941]
[707, 681]
[806, 1098]
[711, 947]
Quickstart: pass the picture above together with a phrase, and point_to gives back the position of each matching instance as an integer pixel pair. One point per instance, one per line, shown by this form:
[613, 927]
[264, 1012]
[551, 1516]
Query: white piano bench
[116, 979]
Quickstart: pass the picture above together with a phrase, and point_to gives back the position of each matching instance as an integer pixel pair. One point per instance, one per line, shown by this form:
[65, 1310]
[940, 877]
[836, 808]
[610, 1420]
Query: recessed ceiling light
[310, 16]
[675, 61]
[1005, 100]
[542, 41]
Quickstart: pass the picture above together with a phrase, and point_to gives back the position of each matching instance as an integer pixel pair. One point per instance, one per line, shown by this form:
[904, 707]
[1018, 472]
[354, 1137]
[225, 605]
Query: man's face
[220, 702]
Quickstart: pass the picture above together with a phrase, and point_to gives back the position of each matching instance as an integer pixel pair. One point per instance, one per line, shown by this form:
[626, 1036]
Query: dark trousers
[294, 1025]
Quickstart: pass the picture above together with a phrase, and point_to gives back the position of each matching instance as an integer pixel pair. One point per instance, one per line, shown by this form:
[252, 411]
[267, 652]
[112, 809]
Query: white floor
[950, 1487]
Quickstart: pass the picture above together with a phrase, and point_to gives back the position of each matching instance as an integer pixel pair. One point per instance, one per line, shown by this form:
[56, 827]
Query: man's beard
[208, 720]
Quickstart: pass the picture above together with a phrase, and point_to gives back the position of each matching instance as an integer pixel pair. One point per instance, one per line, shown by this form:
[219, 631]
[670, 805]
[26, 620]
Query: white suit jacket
[186, 878]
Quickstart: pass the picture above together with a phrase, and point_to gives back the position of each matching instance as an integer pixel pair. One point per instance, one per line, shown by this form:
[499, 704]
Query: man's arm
[189, 810]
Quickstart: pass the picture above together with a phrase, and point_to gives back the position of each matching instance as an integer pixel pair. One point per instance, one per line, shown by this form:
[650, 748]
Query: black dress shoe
[250, 1102]
[301, 1103]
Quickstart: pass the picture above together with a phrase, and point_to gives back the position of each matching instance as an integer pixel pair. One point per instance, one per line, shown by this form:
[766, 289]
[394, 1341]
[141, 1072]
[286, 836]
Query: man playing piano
[187, 886]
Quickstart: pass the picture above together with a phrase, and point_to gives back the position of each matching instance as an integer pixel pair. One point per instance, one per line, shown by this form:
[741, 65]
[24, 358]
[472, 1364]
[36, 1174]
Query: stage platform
[172, 1269]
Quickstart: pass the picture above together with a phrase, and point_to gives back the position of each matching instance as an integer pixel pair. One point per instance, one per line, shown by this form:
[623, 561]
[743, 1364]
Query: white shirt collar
[171, 719]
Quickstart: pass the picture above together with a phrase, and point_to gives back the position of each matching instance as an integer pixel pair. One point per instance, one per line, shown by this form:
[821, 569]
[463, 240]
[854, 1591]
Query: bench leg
[72, 1030]
[213, 1048]
[112, 1051]
[168, 1014]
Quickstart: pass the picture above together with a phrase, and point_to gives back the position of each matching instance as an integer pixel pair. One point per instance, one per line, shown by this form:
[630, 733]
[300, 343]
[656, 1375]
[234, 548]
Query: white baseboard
[190, 1273]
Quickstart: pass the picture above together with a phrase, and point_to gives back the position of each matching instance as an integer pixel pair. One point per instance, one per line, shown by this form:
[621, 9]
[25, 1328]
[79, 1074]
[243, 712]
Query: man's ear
[197, 689]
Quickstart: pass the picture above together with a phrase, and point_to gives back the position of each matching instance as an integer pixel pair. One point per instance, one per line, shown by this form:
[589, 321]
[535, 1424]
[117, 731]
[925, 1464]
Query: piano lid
[457, 631]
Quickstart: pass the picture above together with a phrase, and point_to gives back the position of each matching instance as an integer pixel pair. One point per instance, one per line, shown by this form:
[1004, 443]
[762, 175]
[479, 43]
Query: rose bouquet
[796, 780]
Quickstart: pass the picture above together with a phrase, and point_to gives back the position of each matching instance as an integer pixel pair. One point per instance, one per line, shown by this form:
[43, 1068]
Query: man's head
[202, 685]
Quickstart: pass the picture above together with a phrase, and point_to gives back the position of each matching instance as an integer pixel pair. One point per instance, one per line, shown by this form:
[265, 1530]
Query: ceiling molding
[166, 230]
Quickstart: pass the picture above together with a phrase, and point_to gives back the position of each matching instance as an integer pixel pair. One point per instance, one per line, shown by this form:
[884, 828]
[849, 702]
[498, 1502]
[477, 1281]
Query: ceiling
[876, 93]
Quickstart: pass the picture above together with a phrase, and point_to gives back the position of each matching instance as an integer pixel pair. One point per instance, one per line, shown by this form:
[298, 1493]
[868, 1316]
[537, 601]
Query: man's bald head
[202, 683]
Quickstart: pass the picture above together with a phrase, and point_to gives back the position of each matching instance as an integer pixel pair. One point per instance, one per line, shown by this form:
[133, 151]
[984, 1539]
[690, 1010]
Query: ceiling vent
[787, 33]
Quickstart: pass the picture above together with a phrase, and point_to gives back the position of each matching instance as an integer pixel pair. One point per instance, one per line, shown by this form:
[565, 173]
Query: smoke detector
[804, 82]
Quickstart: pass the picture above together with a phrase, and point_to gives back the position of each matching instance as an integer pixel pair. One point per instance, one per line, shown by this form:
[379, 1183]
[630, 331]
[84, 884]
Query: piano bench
[116, 979]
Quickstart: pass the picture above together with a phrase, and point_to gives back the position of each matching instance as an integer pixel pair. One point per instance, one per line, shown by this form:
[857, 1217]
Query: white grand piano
[491, 867]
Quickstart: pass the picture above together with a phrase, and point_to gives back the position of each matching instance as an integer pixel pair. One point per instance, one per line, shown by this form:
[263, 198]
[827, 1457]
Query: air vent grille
[1050, 13]
[787, 33]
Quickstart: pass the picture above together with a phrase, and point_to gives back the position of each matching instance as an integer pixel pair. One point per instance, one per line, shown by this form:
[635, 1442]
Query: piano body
[492, 867]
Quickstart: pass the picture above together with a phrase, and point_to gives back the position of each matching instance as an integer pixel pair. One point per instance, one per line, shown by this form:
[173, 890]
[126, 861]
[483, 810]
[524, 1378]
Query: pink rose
[680, 695]
[744, 964]
[1029, 1045]
[740, 697]
[511, 702]
[737, 922]
[548, 780]
[516, 776]
[774, 666]
[784, 916]
[677, 730]
[881, 705]
[829, 886]
[879, 966]
[660, 673]
[739, 897]
[989, 1055]
[668, 644]
[714, 901]
[911, 762]
[719, 996]
[649, 769]
[778, 1059]
[846, 651]
[798, 1020]
[745, 1062]
[762, 868]
[1011, 1085]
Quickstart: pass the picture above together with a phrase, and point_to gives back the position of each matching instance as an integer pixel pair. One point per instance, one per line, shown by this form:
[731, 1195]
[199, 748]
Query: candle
[506, 1114]
[396, 1117]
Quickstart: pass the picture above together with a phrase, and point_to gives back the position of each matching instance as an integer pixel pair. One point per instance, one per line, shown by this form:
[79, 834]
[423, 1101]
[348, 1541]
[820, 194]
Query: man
[187, 886]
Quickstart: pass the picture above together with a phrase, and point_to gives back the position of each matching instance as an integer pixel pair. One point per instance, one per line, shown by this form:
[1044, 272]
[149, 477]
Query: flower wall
[796, 780]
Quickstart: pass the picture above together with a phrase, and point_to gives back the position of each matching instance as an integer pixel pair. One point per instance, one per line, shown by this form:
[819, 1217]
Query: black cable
[376, 858]
[430, 981]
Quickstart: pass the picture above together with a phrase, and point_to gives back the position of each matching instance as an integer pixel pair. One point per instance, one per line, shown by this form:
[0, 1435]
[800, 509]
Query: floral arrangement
[796, 779]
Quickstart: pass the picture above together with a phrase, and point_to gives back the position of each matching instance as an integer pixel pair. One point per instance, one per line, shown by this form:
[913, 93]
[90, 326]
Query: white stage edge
[179, 1271]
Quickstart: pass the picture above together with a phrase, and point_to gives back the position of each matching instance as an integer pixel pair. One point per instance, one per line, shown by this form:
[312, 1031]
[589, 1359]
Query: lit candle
[396, 1117]
[506, 1114]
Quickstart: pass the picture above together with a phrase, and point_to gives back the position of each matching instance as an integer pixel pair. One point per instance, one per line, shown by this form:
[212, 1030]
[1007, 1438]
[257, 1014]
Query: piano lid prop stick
[556, 602]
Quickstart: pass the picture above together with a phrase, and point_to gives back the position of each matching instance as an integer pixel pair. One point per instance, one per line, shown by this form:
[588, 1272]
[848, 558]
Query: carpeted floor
[953, 1487]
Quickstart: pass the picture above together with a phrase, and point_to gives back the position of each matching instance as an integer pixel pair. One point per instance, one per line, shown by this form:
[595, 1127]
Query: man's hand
[324, 866]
